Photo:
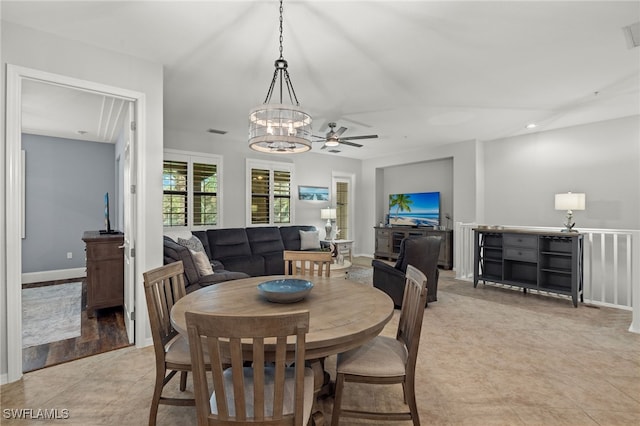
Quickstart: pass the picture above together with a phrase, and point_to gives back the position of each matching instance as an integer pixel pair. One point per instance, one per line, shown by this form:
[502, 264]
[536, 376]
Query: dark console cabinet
[546, 261]
[388, 242]
[105, 270]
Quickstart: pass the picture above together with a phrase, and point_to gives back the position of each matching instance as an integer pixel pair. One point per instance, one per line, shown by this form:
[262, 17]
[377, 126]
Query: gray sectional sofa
[236, 253]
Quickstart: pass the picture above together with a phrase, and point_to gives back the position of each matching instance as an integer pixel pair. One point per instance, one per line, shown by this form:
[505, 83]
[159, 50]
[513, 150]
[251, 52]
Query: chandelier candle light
[280, 128]
[569, 202]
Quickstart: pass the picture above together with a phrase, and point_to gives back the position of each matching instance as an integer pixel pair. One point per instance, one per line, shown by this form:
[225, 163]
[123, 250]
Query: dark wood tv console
[105, 270]
[388, 240]
[545, 261]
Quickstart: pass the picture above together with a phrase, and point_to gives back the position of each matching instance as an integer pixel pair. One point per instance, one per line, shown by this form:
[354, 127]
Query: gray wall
[373, 203]
[65, 183]
[512, 181]
[427, 176]
[601, 159]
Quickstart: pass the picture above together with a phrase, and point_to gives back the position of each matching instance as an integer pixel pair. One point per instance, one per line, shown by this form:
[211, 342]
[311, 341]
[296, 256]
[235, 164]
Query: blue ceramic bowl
[286, 290]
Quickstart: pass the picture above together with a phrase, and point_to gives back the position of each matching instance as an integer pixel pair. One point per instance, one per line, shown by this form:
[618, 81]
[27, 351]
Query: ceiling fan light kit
[332, 142]
[280, 128]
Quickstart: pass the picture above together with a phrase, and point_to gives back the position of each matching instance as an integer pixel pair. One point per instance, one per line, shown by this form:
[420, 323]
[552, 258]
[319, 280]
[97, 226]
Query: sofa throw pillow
[174, 234]
[309, 240]
[192, 243]
[202, 263]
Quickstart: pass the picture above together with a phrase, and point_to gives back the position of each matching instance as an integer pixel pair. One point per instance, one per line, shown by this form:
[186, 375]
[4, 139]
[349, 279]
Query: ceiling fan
[333, 137]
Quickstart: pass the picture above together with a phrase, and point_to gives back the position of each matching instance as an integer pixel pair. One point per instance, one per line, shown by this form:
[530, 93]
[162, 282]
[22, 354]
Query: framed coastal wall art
[313, 193]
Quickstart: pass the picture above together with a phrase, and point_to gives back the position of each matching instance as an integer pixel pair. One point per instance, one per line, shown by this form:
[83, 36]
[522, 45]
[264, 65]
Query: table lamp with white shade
[329, 214]
[570, 201]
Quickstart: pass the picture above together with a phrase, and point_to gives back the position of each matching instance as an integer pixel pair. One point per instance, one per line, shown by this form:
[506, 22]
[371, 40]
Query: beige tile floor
[488, 356]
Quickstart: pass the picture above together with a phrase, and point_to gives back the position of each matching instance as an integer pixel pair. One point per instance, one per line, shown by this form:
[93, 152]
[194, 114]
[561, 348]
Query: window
[269, 192]
[191, 190]
[174, 193]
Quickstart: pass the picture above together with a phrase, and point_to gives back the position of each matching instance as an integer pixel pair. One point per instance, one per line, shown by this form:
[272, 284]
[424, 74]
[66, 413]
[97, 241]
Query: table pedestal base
[323, 388]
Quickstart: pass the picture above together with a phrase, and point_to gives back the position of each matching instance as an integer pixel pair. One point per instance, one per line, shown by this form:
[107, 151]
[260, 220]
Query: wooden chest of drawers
[388, 241]
[105, 270]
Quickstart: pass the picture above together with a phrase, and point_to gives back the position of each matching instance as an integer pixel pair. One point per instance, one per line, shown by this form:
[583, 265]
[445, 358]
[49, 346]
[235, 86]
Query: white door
[129, 181]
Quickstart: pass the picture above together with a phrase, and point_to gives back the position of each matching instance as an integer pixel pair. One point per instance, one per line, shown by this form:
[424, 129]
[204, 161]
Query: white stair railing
[611, 265]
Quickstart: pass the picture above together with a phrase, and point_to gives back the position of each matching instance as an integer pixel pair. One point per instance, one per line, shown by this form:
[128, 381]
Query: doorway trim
[16, 75]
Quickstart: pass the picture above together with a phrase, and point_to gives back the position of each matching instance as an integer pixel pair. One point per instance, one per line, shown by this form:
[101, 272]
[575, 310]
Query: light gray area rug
[361, 274]
[51, 313]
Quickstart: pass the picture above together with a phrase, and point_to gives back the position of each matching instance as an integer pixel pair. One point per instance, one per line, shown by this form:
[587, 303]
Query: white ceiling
[53, 110]
[414, 72]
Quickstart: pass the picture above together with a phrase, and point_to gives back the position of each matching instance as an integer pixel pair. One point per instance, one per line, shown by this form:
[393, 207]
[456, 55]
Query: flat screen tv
[107, 223]
[415, 209]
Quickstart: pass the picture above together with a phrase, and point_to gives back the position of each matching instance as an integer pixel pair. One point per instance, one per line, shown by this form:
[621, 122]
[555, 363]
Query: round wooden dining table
[343, 314]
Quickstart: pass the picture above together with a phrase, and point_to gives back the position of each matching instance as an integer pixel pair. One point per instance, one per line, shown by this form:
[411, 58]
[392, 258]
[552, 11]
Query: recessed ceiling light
[532, 126]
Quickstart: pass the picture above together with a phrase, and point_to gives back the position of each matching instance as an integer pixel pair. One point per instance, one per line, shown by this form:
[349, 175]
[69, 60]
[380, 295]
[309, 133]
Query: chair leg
[410, 399]
[183, 380]
[337, 400]
[155, 400]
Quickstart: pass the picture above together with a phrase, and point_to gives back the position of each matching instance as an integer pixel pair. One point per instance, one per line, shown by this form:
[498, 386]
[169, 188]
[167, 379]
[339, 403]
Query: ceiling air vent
[217, 132]
[632, 34]
[335, 151]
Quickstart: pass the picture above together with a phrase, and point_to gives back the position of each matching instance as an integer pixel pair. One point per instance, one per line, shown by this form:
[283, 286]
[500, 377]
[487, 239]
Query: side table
[343, 247]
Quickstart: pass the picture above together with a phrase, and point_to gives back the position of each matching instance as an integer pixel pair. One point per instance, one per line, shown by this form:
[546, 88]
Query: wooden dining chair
[268, 393]
[164, 286]
[385, 360]
[307, 263]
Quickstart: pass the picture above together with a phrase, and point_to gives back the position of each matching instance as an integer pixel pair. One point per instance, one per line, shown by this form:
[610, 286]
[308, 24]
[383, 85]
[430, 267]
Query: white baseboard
[58, 274]
[145, 343]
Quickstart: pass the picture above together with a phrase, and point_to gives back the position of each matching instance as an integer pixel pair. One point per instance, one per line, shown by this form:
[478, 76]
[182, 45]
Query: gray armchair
[422, 253]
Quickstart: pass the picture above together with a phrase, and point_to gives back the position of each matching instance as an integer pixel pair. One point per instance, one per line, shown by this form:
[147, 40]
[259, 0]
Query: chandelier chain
[281, 10]
[280, 129]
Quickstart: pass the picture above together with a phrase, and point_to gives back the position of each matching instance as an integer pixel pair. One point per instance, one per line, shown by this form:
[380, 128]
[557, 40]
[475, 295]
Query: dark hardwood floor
[104, 332]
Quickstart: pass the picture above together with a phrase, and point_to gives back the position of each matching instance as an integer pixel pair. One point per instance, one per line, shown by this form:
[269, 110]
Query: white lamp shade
[570, 201]
[327, 213]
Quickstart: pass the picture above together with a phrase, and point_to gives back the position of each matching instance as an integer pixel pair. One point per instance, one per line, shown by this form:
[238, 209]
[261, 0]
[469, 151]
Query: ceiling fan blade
[342, 141]
[340, 131]
[353, 138]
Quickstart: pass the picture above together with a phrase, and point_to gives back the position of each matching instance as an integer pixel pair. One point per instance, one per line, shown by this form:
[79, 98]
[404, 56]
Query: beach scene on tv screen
[415, 209]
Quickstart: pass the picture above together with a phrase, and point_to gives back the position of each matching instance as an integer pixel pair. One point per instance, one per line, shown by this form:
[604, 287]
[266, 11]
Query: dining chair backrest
[307, 263]
[163, 287]
[260, 393]
[412, 314]
[384, 360]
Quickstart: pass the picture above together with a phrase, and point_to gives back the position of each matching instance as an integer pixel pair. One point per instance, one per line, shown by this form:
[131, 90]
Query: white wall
[311, 169]
[602, 159]
[33, 49]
